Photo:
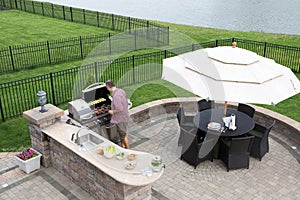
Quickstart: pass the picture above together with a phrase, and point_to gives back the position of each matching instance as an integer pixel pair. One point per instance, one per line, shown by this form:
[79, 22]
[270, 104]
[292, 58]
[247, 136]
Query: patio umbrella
[231, 74]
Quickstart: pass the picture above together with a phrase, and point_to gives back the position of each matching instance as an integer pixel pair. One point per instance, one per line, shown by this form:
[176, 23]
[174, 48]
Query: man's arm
[117, 105]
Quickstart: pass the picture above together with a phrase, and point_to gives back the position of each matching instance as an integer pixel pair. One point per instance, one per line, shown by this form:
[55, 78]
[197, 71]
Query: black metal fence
[94, 18]
[65, 85]
[138, 34]
[285, 55]
[14, 58]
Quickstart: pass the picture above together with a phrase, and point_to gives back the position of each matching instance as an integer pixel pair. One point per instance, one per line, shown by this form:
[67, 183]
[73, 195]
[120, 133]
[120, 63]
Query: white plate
[108, 155]
[214, 126]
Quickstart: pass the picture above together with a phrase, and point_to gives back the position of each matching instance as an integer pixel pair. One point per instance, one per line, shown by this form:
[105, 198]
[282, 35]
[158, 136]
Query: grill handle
[94, 85]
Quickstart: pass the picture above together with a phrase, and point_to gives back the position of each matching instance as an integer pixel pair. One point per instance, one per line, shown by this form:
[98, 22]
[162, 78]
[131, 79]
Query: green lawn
[17, 27]
[14, 135]
[289, 107]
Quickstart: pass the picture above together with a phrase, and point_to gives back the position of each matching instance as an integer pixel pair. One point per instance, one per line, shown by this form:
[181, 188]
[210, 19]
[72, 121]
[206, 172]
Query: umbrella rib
[232, 63]
[231, 80]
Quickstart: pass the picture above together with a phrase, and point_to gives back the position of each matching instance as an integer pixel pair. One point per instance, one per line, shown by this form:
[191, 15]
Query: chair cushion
[256, 133]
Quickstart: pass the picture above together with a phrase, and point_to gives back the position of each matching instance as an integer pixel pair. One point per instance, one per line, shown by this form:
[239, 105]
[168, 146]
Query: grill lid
[96, 95]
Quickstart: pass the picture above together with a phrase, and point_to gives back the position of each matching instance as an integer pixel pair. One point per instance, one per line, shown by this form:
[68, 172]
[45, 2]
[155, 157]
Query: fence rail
[63, 86]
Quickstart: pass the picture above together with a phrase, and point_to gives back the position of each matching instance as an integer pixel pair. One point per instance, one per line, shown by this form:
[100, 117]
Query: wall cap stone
[36, 117]
[277, 116]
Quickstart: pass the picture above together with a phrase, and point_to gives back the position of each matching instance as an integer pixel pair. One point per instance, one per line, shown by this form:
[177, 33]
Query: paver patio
[277, 176]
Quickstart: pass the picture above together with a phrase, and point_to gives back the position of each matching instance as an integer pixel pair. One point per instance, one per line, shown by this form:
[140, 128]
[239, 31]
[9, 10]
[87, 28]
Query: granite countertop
[62, 133]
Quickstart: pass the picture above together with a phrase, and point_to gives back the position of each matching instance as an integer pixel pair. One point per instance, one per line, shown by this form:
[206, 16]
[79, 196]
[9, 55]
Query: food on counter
[120, 155]
[100, 151]
[131, 156]
[110, 151]
[129, 164]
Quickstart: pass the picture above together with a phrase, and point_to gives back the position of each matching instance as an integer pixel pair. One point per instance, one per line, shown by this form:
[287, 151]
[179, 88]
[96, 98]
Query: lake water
[270, 16]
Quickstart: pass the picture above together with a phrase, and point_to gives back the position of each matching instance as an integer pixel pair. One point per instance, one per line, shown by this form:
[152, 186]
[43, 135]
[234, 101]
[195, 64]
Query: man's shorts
[122, 129]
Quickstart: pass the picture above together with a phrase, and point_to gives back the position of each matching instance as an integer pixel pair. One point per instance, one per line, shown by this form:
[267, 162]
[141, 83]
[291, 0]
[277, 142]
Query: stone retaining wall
[284, 125]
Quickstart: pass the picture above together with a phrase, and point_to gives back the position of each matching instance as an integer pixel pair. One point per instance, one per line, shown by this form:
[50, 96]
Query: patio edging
[284, 125]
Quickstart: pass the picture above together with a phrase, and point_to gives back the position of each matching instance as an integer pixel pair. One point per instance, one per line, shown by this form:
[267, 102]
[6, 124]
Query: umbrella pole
[225, 108]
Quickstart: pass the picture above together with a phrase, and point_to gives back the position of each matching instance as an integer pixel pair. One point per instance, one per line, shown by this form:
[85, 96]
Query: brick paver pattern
[277, 176]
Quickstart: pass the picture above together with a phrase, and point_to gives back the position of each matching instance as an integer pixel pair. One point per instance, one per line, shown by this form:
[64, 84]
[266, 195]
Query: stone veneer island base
[50, 135]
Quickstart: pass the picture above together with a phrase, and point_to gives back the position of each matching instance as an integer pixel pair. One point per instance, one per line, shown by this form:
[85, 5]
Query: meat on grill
[102, 109]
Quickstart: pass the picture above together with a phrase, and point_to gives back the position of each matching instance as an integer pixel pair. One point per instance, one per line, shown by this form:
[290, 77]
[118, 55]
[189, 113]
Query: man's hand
[111, 112]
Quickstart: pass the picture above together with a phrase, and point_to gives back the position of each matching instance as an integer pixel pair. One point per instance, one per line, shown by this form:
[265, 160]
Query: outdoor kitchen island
[101, 177]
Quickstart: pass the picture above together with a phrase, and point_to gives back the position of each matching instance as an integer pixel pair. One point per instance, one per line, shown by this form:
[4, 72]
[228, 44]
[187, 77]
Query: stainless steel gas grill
[93, 107]
[92, 111]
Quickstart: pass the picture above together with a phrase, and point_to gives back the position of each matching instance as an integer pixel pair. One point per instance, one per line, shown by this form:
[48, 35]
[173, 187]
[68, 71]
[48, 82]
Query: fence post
[193, 47]
[83, 10]
[64, 14]
[96, 72]
[1, 109]
[81, 50]
[129, 25]
[165, 53]
[21, 5]
[168, 35]
[33, 9]
[98, 19]
[24, 1]
[25, 5]
[11, 58]
[16, 3]
[52, 88]
[265, 49]
[112, 22]
[217, 43]
[43, 12]
[233, 39]
[147, 33]
[133, 74]
[49, 55]
[52, 9]
[135, 40]
[71, 13]
[109, 43]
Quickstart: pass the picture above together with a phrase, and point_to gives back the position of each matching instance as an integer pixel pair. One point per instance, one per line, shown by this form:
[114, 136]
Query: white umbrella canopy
[231, 74]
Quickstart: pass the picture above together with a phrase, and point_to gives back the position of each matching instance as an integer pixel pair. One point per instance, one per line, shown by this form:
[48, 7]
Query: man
[119, 112]
[233, 44]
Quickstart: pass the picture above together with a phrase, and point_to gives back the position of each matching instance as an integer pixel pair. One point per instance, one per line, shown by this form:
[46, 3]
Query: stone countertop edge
[62, 132]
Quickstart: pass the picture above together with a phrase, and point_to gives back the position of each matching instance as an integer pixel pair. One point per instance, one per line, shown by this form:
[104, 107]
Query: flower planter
[30, 164]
